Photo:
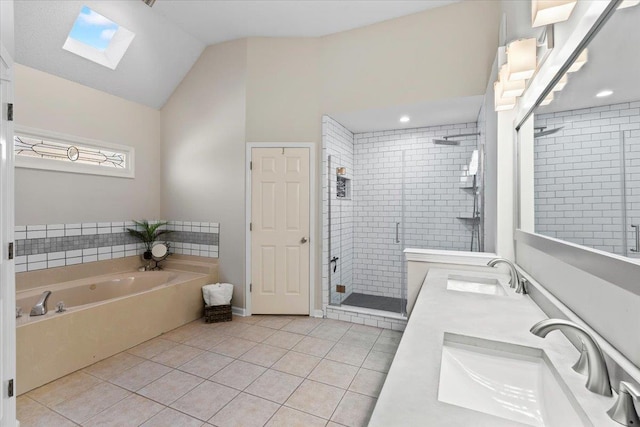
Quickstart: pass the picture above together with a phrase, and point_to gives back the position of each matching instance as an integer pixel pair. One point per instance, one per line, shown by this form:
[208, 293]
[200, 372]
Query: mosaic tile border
[194, 238]
[58, 245]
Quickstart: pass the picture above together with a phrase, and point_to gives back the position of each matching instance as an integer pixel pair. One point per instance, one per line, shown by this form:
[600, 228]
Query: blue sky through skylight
[93, 29]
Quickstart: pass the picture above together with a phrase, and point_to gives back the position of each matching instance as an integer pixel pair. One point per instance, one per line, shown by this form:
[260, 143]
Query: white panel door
[280, 230]
[7, 278]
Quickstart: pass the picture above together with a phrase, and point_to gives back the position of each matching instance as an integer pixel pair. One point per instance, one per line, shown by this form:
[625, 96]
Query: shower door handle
[637, 227]
[397, 232]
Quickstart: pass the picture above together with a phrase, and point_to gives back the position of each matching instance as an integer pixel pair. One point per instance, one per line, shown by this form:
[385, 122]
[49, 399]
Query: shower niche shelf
[343, 188]
[469, 218]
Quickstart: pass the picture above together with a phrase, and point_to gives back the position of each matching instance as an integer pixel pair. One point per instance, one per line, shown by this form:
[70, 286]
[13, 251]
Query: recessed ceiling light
[604, 93]
[404, 119]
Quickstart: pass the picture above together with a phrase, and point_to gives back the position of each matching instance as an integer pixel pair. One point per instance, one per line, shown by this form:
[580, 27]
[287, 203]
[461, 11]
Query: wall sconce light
[628, 3]
[502, 103]
[341, 171]
[510, 88]
[545, 12]
[561, 84]
[547, 100]
[521, 59]
[580, 61]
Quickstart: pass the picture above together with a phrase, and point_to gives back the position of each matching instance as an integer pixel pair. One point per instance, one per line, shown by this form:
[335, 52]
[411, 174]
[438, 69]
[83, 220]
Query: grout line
[54, 411]
[202, 379]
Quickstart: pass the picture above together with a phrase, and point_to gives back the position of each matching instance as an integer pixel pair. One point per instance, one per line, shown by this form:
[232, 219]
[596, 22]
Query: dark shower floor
[375, 302]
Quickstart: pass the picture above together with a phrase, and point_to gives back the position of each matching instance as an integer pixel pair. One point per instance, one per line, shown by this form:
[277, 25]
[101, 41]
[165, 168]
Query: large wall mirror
[586, 146]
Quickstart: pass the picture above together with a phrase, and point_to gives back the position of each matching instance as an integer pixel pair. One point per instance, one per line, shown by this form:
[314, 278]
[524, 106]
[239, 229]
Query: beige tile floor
[253, 371]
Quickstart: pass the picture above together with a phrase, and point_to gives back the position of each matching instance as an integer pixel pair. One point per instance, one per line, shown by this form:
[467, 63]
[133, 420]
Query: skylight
[93, 29]
[98, 39]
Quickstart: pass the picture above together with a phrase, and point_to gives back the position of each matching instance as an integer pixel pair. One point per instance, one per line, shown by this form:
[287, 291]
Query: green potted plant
[148, 234]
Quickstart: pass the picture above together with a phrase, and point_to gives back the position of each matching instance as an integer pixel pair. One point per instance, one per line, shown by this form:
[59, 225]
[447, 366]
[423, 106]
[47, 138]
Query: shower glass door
[340, 229]
[366, 229]
[630, 190]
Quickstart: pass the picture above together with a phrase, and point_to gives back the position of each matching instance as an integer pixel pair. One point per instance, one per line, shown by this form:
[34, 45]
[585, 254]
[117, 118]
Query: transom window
[40, 149]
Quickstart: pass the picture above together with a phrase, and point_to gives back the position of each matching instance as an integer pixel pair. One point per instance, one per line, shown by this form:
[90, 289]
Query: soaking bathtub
[104, 315]
[78, 293]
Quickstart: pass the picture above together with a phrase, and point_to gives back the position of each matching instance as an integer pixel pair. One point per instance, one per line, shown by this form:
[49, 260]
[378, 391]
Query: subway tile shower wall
[58, 245]
[578, 176]
[432, 200]
[363, 229]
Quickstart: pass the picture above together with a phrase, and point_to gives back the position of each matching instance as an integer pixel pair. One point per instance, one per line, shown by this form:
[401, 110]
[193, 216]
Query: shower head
[540, 131]
[446, 141]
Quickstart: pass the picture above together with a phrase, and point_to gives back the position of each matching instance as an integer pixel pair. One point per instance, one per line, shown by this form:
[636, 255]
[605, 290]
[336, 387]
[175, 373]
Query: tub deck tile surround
[254, 371]
[110, 319]
[41, 247]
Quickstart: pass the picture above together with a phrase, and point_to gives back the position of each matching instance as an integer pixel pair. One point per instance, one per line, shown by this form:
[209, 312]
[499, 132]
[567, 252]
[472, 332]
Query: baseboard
[238, 311]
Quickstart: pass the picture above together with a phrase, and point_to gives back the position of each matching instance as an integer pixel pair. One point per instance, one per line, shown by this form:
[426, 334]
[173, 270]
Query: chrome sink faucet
[624, 410]
[40, 308]
[597, 373]
[517, 281]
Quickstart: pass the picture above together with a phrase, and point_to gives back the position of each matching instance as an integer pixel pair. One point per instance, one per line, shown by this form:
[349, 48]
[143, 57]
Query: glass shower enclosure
[367, 239]
[381, 199]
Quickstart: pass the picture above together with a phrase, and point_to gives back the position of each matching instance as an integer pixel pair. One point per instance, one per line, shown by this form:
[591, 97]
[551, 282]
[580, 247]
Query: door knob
[303, 240]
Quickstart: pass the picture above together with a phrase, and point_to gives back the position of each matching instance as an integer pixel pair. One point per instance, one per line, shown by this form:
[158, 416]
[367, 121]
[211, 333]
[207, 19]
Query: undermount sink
[509, 381]
[478, 285]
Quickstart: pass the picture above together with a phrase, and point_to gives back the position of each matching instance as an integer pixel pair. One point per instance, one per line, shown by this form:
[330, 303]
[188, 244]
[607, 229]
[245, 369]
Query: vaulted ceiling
[171, 36]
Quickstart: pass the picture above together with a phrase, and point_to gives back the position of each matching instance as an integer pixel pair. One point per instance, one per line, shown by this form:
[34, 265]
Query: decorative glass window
[98, 39]
[40, 149]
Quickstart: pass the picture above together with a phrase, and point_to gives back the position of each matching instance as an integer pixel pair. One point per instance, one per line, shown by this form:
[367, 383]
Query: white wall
[505, 185]
[203, 149]
[441, 53]
[51, 103]
[488, 128]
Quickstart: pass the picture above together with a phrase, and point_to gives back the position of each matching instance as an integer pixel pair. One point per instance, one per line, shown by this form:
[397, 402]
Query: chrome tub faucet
[597, 373]
[40, 308]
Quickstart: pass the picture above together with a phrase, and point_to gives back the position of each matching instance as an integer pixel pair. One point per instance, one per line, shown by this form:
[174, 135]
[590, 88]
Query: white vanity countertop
[410, 393]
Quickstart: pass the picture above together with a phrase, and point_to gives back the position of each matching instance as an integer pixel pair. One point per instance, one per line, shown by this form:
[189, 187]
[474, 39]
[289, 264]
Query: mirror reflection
[587, 146]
